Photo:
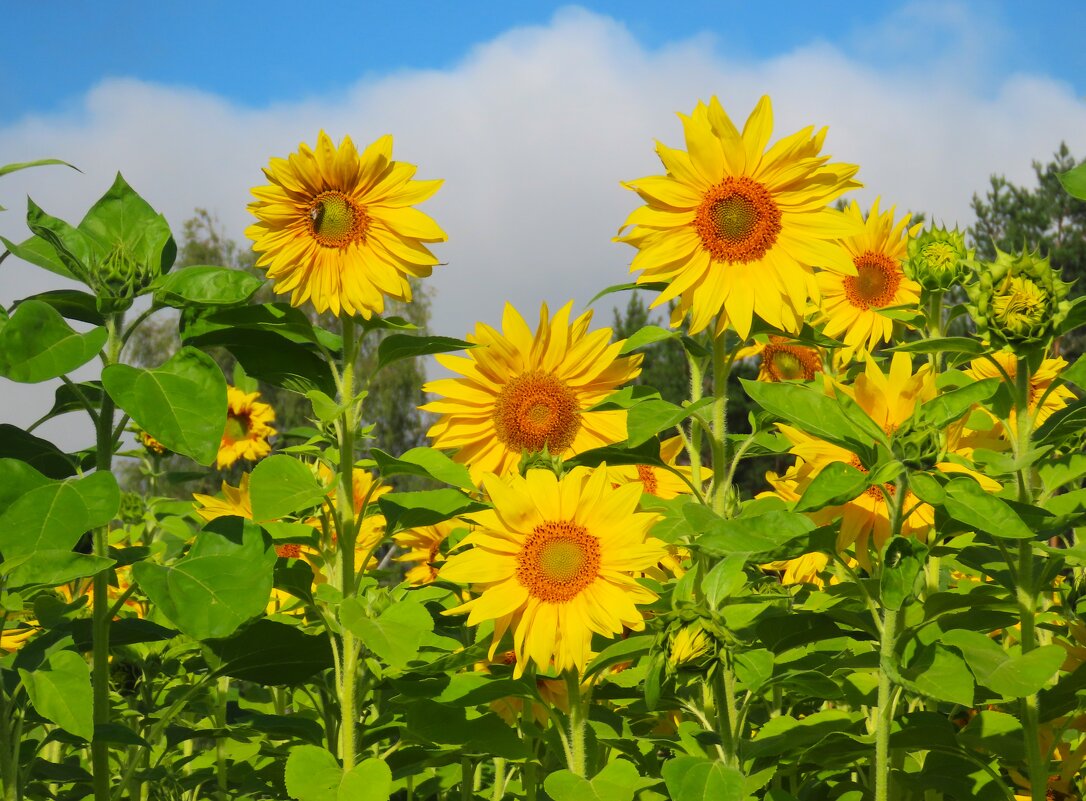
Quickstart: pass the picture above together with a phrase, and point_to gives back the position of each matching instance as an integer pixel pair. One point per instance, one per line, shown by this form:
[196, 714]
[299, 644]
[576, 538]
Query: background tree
[1010, 217]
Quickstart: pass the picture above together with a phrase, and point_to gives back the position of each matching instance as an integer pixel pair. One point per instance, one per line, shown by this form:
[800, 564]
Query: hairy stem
[345, 509]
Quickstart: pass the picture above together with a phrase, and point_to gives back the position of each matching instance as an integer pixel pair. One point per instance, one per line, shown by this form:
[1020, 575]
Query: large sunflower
[554, 561]
[521, 392]
[247, 428]
[851, 303]
[736, 230]
[338, 229]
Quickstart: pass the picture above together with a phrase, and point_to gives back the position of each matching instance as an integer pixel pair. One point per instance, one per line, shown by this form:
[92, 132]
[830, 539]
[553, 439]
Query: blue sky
[260, 53]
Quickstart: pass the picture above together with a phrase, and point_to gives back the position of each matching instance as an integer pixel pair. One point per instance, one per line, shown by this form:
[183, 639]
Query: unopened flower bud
[938, 259]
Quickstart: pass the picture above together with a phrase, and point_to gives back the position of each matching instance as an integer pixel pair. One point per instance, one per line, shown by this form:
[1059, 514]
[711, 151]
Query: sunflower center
[536, 410]
[648, 478]
[875, 283]
[335, 220]
[738, 220]
[237, 427]
[790, 362]
[289, 550]
[559, 559]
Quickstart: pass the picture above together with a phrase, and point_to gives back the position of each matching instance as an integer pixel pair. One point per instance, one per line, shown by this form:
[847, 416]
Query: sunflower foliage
[584, 603]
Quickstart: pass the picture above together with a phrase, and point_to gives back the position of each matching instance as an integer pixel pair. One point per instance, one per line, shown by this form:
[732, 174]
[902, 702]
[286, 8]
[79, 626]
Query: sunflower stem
[467, 779]
[694, 443]
[726, 713]
[721, 369]
[346, 542]
[885, 711]
[577, 722]
[222, 695]
[100, 612]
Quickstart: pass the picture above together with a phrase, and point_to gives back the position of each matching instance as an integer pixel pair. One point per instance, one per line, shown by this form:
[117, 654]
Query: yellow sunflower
[783, 360]
[423, 546]
[151, 444]
[736, 230]
[851, 303]
[247, 428]
[520, 392]
[889, 399]
[656, 480]
[554, 561]
[1039, 384]
[338, 229]
[234, 503]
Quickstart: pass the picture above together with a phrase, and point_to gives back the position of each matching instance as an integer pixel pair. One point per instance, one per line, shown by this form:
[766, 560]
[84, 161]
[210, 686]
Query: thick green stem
[498, 791]
[721, 369]
[467, 779]
[100, 594]
[578, 719]
[346, 540]
[694, 449]
[726, 713]
[222, 695]
[885, 711]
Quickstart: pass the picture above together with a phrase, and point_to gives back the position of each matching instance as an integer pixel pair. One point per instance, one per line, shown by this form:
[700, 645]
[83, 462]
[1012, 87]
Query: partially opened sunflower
[736, 230]
[337, 228]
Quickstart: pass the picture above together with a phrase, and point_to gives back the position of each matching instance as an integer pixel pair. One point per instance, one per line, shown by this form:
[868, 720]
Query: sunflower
[656, 480]
[423, 546]
[152, 445]
[234, 503]
[247, 428]
[889, 399]
[783, 360]
[521, 393]
[736, 230]
[553, 561]
[338, 229]
[851, 303]
[1042, 400]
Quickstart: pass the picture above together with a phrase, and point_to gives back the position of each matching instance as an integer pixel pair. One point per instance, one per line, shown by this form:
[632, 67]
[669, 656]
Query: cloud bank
[532, 133]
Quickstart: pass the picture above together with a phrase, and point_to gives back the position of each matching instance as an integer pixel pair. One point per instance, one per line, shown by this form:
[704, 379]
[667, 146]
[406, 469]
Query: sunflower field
[565, 596]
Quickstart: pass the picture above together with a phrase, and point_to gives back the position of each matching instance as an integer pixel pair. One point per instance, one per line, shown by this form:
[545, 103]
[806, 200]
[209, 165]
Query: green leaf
[369, 780]
[725, 578]
[618, 781]
[281, 485]
[272, 358]
[54, 516]
[902, 561]
[997, 733]
[22, 165]
[40, 454]
[51, 567]
[425, 462]
[957, 345]
[696, 779]
[788, 735]
[72, 304]
[16, 479]
[182, 404]
[835, 484]
[201, 326]
[927, 488]
[224, 580]
[395, 635]
[818, 414]
[272, 653]
[312, 774]
[37, 344]
[626, 650]
[1074, 181]
[1012, 675]
[948, 407]
[404, 510]
[651, 286]
[39, 252]
[968, 503]
[205, 286]
[645, 420]
[122, 218]
[1076, 373]
[60, 690]
[940, 673]
[1062, 425]
[72, 250]
[648, 335]
[762, 537]
[395, 347]
[487, 734]
[69, 398]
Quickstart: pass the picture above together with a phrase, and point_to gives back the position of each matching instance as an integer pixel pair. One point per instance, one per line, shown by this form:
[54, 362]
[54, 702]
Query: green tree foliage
[1044, 216]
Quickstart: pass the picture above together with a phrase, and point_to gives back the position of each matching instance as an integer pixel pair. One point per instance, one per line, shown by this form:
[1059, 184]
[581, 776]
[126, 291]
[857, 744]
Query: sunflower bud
[938, 259]
[919, 447]
[132, 508]
[690, 648]
[1018, 300]
[118, 278]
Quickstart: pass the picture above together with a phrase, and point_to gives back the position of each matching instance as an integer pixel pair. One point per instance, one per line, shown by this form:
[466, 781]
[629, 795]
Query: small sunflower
[234, 503]
[247, 428]
[338, 228]
[851, 303]
[783, 360]
[736, 229]
[518, 392]
[554, 561]
[423, 546]
[1039, 384]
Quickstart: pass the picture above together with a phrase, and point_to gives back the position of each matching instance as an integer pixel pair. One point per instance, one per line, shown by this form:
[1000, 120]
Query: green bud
[1018, 301]
[118, 278]
[919, 447]
[541, 460]
[938, 259]
[132, 508]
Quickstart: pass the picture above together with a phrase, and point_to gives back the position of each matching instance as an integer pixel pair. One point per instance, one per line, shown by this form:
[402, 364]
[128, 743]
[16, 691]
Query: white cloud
[532, 133]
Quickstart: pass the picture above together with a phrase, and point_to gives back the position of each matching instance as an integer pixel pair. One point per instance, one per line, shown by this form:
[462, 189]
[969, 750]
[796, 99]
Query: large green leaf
[835, 484]
[224, 580]
[51, 567]
[968, 503]
[37, 344]
[395, 635]
[647, 335]
[761, 536]
[939, 672]
[123, 219]
[54, 516]
[22, 165]
[412, 509]
[618, 781]
[695, 779]
[73, 304]
[182, 404]
[60, 690]
[70, 398]
[71, 248]
[1012, 674]
[1074, 181]
[204, 285]
[425, 462]
[271, 653]
[811, 410]
[314, 774]
[201, 326]
[39, 252]
[948, 407]
[645, 420]
[272, 357]
[40, 454]
[16, 479]
[395, 347]
[281, 485]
